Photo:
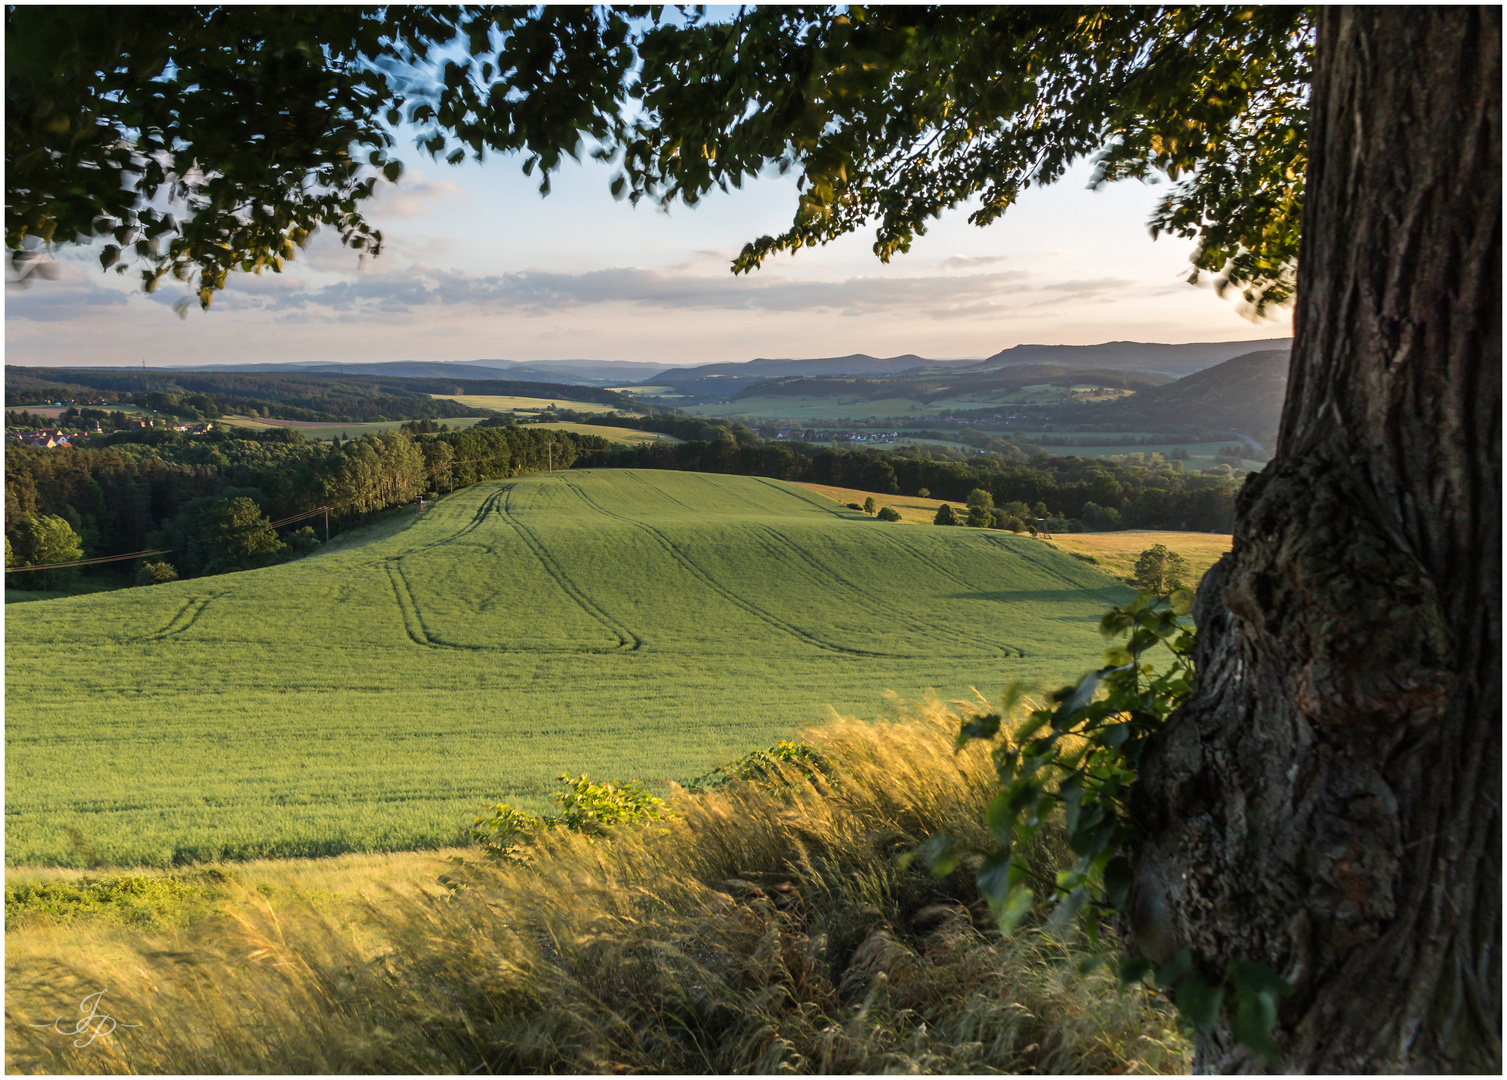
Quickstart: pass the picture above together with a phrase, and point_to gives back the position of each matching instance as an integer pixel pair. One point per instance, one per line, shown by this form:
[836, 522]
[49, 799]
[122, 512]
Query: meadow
[626, 624]
[326, 432]
[765, 926]
[616, 435]
[1114, 552]
[503, 403]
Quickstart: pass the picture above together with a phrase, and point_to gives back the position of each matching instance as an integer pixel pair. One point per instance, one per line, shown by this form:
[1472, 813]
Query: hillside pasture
[616, 435]
[323, 432]
[503, 403]
[1116, 552]
[628, 624]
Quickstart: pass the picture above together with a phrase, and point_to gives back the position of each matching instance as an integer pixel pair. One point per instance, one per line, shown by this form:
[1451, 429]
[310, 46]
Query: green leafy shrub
[591, 809]
[946, 515]
[780, 765]
[888, 513]
[156, 573]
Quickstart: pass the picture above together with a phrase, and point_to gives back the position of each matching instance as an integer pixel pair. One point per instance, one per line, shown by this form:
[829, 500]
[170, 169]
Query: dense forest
[337, 398]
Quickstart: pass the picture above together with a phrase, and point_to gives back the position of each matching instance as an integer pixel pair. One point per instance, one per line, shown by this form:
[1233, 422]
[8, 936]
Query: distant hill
[728, 379]
[342, 397]
[1174, 360]
[1244, 394]
[933, 385]
[566, 372]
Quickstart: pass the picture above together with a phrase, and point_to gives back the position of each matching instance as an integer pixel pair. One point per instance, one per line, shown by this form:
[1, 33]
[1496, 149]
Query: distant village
[79, 420]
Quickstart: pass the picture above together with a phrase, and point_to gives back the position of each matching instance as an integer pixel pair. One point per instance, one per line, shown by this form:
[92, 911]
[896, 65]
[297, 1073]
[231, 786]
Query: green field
[621, 623]
[617, 435]
[325, 432]
[504, 403]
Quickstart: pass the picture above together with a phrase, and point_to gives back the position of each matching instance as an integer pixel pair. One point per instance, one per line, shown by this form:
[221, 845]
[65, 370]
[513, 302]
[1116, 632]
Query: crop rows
[626, 624]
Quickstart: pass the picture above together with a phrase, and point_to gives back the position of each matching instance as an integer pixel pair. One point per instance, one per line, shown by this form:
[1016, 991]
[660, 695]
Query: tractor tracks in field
[185, 617]
[686, 563]
[499, 504]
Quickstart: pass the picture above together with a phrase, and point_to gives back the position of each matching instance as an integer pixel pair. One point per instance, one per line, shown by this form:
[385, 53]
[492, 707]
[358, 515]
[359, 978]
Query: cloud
[969, 262]
[540, 292]
[410, 197]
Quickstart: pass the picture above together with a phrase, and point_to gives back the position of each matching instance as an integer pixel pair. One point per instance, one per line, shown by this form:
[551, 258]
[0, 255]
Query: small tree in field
[1160, 571]
[869, 505]
[946, 515]
[155, 573]
[889, 513]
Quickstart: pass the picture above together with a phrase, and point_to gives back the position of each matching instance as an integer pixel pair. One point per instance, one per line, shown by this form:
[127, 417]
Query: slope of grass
[1116, 552]
[627, 624]
[764, 928]
[911, 508]
[504, 403]
[616, 435]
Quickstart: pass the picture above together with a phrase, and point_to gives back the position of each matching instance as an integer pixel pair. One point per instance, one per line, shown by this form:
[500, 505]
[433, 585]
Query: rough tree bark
[1329, 800]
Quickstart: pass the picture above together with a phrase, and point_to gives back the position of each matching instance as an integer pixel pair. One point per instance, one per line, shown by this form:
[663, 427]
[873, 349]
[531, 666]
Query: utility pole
[326, 524]
[551, 448]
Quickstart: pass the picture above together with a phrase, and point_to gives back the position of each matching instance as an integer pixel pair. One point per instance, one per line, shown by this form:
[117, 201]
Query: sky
[476, 265]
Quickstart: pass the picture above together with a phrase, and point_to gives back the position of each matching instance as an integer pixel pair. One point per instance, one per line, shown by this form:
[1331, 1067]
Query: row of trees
[211, 500]
[1098, 494]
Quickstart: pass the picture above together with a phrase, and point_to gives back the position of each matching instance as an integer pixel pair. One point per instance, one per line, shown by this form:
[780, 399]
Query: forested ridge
[338, 398]
[150, 489]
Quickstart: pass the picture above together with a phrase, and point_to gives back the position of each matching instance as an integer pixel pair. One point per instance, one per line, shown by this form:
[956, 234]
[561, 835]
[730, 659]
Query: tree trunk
[1329, 800]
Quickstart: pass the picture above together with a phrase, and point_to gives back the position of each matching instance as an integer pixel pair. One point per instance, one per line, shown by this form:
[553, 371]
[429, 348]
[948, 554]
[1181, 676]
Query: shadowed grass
[769, 927]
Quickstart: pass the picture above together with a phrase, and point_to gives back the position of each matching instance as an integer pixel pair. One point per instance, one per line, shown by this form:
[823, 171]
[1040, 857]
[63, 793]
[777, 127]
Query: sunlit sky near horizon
[478, 266]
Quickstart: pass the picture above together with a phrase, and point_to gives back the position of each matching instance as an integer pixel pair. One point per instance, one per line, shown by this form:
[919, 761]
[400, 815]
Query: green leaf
[994, 879]
[1198, 1001]
[1000, 818]
[1257, 988]
[1088, 964]
[1168, 975]
[939, 854]
[978, 727]
[1131, 970]
[1015, 909]
[1117, 881]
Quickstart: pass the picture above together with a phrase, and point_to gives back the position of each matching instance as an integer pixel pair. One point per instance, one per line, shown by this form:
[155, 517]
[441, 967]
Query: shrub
[980, 517]
[923, 493]
[778, 766]
[888, 513]
[155, 573]
[946, 515]
[591, 809]
[854, 506]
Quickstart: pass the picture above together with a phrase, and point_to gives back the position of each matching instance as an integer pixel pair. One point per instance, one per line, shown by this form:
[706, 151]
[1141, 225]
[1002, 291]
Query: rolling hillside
[621, 623]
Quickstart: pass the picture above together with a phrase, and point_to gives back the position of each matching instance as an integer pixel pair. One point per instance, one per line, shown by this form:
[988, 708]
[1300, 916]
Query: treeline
[1086, 493]
[145, 489]
[339, 398]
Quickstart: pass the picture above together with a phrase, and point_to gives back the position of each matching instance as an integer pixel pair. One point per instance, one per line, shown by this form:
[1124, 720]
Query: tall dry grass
[763, 930]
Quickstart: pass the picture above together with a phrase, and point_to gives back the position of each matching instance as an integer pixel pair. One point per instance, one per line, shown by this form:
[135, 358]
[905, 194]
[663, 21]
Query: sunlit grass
[628, 624]
[763, 929]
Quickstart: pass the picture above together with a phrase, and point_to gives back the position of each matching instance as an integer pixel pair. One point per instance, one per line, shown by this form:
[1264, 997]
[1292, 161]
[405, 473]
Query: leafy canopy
[260, 124]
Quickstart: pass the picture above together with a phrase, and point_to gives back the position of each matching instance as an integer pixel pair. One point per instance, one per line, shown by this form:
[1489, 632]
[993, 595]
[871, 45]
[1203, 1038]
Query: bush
[592, 809]
[980, 517]
[888, 513]
[301, 542]
[923, 493]
[946, 515]
[155, 573]
[854, 506]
